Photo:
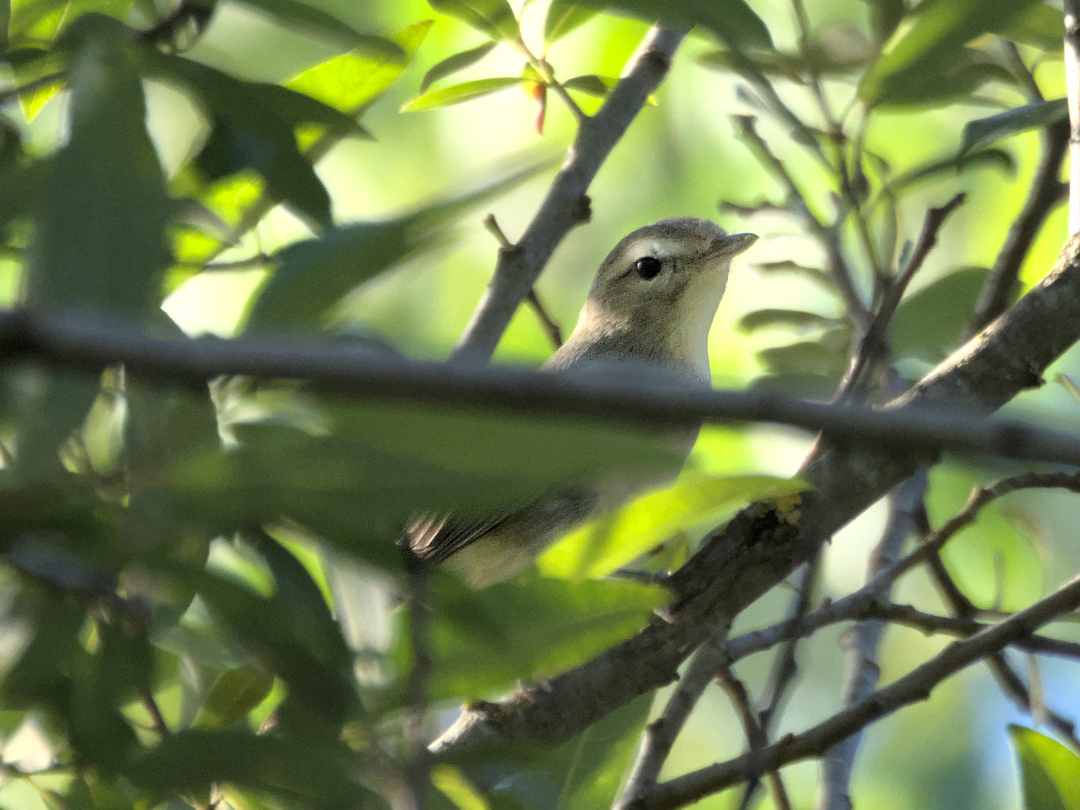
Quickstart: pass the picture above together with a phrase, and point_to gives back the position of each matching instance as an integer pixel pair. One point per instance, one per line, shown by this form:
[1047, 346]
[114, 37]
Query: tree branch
[566, 204]
[916, 685]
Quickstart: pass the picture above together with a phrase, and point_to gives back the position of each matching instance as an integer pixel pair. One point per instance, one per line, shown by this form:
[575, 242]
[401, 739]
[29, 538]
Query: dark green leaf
[926, 52]
[732, 21]
[519, 630]
[1050, 771]
[308, 772]
[493, 18]
[814, 274]
[799, 385]
[928, 324]
[795, 319]
[1037, 115]
[591, 85]
[235, 693]
[885, 16]
[299, 15]
[564, 16]
[452, 64]
[314, 274]
[459, 93]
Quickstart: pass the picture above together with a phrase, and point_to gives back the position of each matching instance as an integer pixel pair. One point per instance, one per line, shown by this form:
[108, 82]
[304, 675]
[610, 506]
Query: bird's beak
[731, 244]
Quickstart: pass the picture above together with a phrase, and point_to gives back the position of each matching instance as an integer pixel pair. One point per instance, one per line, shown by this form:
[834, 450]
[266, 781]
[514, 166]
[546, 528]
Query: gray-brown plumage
[648, 313]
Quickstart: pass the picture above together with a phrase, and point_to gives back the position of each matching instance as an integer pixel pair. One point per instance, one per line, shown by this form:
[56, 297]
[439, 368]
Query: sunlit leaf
[1050, 771]
[32, 68]
[301, 16]
[459, 93]
[352, 80]
[452, 64]
[925, 53]
[608, 543]
[564, 16]
[1036, 115]
[493, 18]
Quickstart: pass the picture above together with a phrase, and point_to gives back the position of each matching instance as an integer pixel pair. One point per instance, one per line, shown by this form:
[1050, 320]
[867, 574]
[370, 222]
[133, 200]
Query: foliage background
[679, 158]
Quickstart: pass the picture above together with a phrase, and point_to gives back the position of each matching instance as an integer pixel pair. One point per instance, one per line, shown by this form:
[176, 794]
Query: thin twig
[862, 641]
[756, 736]
[566, 203]
[916, 685]
[874, 339]
[841, 274]
[146, 697]
[547, 323]
[660, 735]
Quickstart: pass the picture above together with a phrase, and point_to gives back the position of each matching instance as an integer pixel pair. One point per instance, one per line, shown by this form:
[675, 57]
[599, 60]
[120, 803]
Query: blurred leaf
[915, 63]
[352, 80]
[1042, 26]
[928, 323]
[598, 86]
[1050, 771]
[808, 356]
[315, 666]
[789, 66]
[733, 21]
[30, 68]
[314, 274]
[493, 18]
[799, 385]
[299, 15]
[234, 694]
[795, 319]
[1037, 115]
[608, 543]
[459, 61]
[885, 16]
[563, 16]
[990, 158]
[1069, 384]
[311, 772]
[524, 629]
[459, 93]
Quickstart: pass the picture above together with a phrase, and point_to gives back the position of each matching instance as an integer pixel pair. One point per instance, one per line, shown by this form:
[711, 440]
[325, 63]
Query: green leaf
[563, 16]
[298, 15]
[804, 357]
[311, 772]
[1037, 115]
[795, 319]
[732, 21]
[314, 274]
[459, 93]
[351, 81]
[452, 64]
[592, 85]
[608, 543]
[1050, 771]
[523, 629]
[928, 323]
[493, 18]
[234, 694]
[1042, 27]
[925, 52]
[885, 16]
[30, 66]
[951, 166]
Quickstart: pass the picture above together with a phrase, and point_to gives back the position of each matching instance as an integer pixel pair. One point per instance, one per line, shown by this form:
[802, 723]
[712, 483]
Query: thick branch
[916, 685]
[79, 342]
[566, 204]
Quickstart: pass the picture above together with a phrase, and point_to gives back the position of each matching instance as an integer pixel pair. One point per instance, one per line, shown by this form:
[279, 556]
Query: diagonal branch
[566, 204]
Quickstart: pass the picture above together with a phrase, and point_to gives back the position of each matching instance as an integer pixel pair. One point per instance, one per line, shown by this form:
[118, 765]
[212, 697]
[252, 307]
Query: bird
[647, 317]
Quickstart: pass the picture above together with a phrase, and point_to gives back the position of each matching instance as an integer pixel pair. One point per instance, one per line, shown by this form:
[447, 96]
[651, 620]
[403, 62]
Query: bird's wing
[437, 537]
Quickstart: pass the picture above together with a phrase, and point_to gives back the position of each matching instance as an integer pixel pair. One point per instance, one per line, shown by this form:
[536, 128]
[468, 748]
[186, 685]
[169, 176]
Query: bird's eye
[647, 267]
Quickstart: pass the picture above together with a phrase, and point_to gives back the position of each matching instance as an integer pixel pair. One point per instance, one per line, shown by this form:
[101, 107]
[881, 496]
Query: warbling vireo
[649, 311]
